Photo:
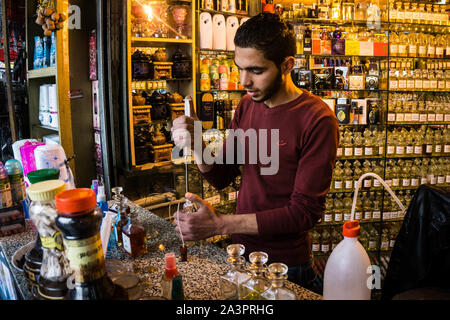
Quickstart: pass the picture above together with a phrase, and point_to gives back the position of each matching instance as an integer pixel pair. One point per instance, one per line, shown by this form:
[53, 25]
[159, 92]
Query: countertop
[206, 262]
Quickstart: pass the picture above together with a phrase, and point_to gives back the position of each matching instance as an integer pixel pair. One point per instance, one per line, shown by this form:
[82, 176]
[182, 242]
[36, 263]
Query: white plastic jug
[348, 270]
[346, 276]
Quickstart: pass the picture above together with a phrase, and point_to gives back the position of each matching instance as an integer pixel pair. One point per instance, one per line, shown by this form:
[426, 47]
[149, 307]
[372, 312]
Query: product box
[303, 79]
[356, 82]
[362, 106]
[338, 46]
[343, 110]
[323, 78]
[341, 78]
[366, 48]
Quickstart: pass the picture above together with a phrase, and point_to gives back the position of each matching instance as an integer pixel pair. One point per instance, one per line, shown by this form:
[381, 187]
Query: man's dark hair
[268, 33]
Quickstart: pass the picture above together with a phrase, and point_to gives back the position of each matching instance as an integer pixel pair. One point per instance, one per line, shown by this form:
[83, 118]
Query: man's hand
[199, 225]
[183, 128]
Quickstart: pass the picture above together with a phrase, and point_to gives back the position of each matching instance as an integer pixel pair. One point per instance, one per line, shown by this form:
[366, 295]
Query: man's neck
[287, 93]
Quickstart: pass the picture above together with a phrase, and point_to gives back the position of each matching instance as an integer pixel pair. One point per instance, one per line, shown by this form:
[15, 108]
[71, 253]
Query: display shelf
[339, 23]
[225, 13]
[40, 126]
[47, 72]
[421, 91]
[339, 56]
[419, 58]
[140, 41]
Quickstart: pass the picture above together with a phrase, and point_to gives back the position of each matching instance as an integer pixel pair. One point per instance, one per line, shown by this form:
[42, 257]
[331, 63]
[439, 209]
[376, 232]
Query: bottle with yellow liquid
[257, 284]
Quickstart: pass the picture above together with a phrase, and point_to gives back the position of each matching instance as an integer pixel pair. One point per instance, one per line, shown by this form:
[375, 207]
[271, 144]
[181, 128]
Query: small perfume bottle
[133, 237]
[172, 282]
[122, 210]
[230, 281]
[257, 283]
[277, 291]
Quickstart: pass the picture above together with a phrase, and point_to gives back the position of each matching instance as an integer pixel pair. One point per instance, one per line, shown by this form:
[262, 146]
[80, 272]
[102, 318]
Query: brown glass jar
[79, 221]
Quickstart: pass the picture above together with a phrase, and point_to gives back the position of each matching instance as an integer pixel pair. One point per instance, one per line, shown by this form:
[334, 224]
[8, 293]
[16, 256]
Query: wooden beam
[9, 93]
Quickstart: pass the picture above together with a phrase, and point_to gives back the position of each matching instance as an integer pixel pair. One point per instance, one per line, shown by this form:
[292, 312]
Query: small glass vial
[277, 291]
[133, 237]
[257, 283]
[230, 281]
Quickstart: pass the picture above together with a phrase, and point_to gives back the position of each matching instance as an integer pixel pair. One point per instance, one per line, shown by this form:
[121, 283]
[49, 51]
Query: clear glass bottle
[347, 201]
[338, 208]
[358, 150]
[391, 144]
[257, 283]
[431, 41]
[338, 176]
[373, 239]
[367, 182]
[367, 207]
[364, 237]
[359, 209]
[428, 143]
[376, 212]
[328, 213]
[277, 290]
[396, 174]
[315, 241]
[403, 43]
[348, 144]
[325, 242]
[415, 174]
[400, 12]
[393, 44]
[422, 44]
[348, 176]
[384, 246]
[335, 238]
[232, 279]
[437, 143]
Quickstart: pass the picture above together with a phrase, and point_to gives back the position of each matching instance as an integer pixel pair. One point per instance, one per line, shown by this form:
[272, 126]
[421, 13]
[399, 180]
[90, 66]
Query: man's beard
[272, 89]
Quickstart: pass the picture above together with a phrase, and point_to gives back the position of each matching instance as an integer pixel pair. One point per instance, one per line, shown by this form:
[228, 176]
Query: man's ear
[288, 65]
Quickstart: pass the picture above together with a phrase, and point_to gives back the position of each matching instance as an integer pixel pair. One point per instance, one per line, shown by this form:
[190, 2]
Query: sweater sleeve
[312, 183]
[222, 174]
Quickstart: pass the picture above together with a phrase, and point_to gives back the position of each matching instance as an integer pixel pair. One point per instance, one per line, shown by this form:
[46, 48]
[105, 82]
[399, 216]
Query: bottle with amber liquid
[133, 237]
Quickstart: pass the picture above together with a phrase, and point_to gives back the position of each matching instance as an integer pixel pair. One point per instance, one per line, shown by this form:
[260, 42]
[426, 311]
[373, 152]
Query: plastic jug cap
[350, 229]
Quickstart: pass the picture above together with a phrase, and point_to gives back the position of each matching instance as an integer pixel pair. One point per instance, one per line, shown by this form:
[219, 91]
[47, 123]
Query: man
[274, 212]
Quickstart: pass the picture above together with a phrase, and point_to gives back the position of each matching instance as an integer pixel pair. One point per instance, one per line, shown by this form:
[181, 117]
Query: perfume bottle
[257, 283]
[172, 282]
[122, 210]
[133, 237]
[277, 291]
[232, 279]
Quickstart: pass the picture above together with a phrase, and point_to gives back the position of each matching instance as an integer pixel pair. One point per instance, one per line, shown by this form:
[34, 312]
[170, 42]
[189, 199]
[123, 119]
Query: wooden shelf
[142, 41]
[42, 73]
[46, 127]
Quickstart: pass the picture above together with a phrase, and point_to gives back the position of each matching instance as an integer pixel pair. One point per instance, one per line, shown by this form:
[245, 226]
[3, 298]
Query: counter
[206, 262]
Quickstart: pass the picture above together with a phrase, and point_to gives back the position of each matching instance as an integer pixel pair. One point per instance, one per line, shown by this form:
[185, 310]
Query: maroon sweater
[289, 203]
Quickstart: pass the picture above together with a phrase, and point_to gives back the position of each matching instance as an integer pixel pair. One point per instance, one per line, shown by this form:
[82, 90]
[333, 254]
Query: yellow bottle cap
[45, 190]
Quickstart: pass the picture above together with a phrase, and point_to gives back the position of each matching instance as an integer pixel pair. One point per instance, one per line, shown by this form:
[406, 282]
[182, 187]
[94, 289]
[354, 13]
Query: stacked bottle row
[399, 174]
[223, 198]
[422, 13]
[253, 281]
[357, 144]
[419, 80]
[411, 108]
[431, 141]
[218, 72]
[370, 206]
[325, 240]
[419, 41]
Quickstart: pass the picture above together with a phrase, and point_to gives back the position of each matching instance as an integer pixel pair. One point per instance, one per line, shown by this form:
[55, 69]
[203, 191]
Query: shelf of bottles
[384, 68]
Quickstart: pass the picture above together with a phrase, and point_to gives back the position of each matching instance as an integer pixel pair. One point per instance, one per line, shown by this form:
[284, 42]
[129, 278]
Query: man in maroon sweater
[274, 211]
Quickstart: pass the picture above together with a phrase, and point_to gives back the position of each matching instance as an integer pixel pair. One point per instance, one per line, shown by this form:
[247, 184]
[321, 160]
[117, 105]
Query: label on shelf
[441, 179]
[367, 215]
[417, 149]
[391, 117]
[358, 215]
[400, 150]
[395, 182]
[423, 117]
[447, 148]
[406, 182]
[393, 84]
[348, 184]
[409, 149]
[418, 84]
[348, 152]
[338, 217]
[415, 117]
[376, 183]
[429, 148]
[358, 151]
[423, 180]
[439, 117]
[426, 84]
[399, 117]
[376, 215]
[367, 183]
[328, 217]
[438, 148]
[431, 117]
[368, 151]
[390, 149]
[315, 247]
[414, 182]
[386, 215]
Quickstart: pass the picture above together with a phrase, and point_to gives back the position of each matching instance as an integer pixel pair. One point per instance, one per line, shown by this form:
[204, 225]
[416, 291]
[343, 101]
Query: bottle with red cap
[79, 220]
[348, 268]
[172, 283]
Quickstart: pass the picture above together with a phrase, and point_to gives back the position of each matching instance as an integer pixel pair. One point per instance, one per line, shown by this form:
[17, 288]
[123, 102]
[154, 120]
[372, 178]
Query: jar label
[429, 148]
[414, 182]
[368, 151]
[438, 148]
[376, 183]
[358, 215]
[399, 117]
[400, 149]
[367, 183]
[358, 151]
[447, 178]
[391, 117]
[231, 196]
[390, 149]
[347, 216]
[338, 184]
[415, 117]
[348, 152]
[417, 149]
[315, 247]
[409, 149]
[325, 248]
[86, 258]
[386, 215]
[391, 243]
[395, 182]
[339, 152]
[423, 180]
[431, 117]
[408, 117]
[53, 242]
[406, 182]
[439, 117]
[381, 150]
[372, 244]
[348, 184]
[338, 217]
[367, 215]
[441, 179]
[327, 217]
[447, 148]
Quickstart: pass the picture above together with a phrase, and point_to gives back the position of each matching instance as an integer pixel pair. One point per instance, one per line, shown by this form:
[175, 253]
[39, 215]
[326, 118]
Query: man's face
[260, 77]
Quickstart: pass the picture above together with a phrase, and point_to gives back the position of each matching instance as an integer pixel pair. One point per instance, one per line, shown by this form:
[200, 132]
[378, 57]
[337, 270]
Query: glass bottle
[415, 13]
[431, 42]
[392, 235]
[446, 141]
[401, 144]
[348, 176]
[367, 207]
[437, 143]
[257, 283]
[391, 143]
[373, 239]
[315, 241]
[357, 173]
[384, 246]
[415, 174]
[55, 268]
[440, 172]
[396, 174]
[367, 182]
[335, 238]
[359, 208]
[403, 43]
[134, 237]
[421, 13]
[422, 44]
[232, 279]
[348, 144]
[440, 46]
[376, 212]
[79, 220]
[277, 291]
[338, 208]
[325, 241]
[122, 210]
[433, 172]
[423, 172]
[377, 169]
[363, 237]
[428, 146]
[358, 145]
[409, 141]
[328, 213]
[400, 12]
[393, 44]
[340, 151]
[387, 209]
[347, 201]
[380, 143]
[406, 174]
[338, 175]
